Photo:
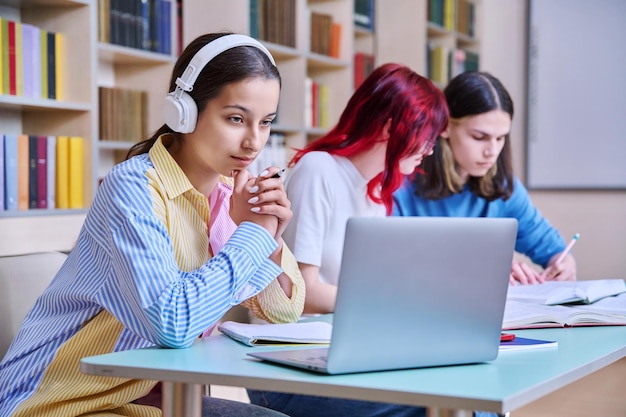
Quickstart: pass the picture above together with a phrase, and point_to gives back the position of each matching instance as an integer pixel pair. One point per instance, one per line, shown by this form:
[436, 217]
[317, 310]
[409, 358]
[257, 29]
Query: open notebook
[415, 292]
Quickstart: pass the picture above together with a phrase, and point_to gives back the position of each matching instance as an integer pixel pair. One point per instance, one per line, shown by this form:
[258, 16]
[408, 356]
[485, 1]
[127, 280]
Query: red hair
[418, 113]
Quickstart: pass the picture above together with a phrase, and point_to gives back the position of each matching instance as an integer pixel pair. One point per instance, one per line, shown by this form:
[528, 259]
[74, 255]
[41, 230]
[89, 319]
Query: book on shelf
[312, 332]
[32, 171]
[139, 24]
[3, 60]
[12, 58]
[364, 14]
[2, 185]
[10, 172]
[334, 49]
[52, 65]
[465, 17]
[51, 150]
[43, 42]
[32, 61]
[22, 172]
[122, 114]
[59, 64]
[526, 315]
[29, 174]
[42, 172]
[563, 292]
[449, 14]
[435, 11]
[63, 173]
[526, 343]
[75, 151]
[362, 67]
[31, 42]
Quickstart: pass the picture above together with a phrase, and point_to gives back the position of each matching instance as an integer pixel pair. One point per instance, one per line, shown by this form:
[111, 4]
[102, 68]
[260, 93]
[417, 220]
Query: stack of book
[140, 24]
[41, 172]
[31, 61]
[273, 21]
[316, 101]
[325, 35]
[123, 114]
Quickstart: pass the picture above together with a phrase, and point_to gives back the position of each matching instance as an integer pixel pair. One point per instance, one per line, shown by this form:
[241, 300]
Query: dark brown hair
[231, 66]
[468, 94]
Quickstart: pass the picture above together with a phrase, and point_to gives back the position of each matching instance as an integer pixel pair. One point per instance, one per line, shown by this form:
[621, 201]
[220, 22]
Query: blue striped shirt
[127, 284]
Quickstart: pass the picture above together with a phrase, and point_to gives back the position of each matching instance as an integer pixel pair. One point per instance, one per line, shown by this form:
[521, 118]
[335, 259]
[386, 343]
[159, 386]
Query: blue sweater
[536, 237]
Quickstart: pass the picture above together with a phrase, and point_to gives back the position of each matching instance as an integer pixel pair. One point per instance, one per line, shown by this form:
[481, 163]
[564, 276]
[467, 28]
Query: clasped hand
[261, 200]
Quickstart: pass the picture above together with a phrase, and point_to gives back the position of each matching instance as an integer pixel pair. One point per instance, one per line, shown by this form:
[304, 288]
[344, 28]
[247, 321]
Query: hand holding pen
[268, 196]
[564, 266]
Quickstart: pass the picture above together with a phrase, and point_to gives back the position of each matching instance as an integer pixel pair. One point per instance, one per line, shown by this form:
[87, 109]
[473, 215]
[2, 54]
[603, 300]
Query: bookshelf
[400, 33]
[447, 25]
[89, 63]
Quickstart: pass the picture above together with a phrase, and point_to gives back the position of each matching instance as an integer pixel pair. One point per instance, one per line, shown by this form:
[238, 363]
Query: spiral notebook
[414, 292]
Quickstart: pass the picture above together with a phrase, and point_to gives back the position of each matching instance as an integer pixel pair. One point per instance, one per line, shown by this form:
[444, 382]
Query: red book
[42, 172]
[12, 58]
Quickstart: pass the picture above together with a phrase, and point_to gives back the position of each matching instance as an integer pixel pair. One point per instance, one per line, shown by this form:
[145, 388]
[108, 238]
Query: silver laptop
[415, 292]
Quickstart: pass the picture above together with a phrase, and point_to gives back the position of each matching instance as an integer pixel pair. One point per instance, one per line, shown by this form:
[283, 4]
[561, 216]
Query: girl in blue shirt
[470, 174]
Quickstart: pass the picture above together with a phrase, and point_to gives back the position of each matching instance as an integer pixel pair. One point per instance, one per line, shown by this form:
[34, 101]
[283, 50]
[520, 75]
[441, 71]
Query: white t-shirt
[325, 191]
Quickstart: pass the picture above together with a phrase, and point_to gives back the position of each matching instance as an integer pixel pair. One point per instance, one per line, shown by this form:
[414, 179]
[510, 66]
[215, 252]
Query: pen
[567, 249]
[279, 173]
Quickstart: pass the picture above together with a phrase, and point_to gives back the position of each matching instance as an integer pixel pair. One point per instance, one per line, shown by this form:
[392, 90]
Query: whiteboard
[576, 94]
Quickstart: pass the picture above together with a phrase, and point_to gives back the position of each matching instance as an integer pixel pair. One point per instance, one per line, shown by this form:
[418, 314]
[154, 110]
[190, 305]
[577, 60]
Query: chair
[22, 279]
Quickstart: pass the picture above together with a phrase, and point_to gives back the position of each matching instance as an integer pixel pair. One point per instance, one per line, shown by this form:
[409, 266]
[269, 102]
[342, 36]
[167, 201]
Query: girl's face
[476, 141]
[411, 162]
[233, 128]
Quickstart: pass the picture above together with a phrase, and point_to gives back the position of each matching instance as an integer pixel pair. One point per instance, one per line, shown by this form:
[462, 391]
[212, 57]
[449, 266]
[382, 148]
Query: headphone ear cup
[180, 114]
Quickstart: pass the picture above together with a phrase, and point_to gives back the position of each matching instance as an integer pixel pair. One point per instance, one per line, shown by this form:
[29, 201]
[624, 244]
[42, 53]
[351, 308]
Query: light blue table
[513, 380]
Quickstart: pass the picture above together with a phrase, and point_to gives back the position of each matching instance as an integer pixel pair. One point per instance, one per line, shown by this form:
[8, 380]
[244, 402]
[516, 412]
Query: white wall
[599, 216]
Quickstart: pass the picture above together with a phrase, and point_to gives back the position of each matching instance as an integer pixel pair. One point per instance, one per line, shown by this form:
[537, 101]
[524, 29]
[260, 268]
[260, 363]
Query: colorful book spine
[12, 58]
[32, 171]
[76, 172]
[2, 49]
[51, 168]
[62, 173]
[22, 172]
[52, 93]
[42, 172]
[10, 172]
[19, 60]
[59, 70]
[28, 69]
[2, 185]
[43, 44]
[165, 29]
[254, 18]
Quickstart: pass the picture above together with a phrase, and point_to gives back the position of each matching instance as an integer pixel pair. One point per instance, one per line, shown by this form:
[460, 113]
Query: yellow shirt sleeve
[272, 304]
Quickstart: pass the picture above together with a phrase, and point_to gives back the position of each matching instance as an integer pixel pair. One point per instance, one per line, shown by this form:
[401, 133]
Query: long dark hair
[231, 66]
[468, 94]
[418, 114]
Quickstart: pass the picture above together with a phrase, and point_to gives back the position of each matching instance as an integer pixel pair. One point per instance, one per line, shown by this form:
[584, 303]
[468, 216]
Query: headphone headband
[212, 49]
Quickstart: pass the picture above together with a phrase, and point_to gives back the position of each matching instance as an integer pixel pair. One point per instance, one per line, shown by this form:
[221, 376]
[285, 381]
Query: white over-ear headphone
[180, 111]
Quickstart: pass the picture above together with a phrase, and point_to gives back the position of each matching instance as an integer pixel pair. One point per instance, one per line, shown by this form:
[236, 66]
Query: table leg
[182, 400]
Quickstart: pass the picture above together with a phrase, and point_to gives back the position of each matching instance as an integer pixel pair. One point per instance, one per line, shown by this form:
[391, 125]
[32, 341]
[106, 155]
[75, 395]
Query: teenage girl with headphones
[170, 243]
